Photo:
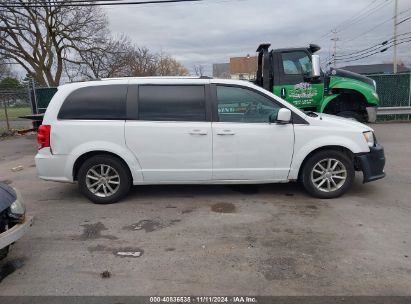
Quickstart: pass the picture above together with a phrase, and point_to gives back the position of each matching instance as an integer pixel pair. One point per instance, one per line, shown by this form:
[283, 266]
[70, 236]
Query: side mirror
[315, 66]
[283, 116]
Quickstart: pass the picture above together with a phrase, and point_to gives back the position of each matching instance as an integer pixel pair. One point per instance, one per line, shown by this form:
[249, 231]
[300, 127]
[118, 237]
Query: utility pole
[394, 61]
[335, 39]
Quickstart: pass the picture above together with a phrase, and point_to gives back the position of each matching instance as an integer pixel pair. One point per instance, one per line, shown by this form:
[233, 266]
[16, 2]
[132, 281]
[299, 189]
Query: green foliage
[10, 83]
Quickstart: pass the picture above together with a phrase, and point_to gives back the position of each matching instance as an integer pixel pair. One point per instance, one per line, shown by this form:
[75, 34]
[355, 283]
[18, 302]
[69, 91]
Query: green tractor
[295, 75]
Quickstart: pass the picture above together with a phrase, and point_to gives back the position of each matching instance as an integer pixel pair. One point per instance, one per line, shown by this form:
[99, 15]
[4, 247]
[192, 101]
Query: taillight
[43, 136]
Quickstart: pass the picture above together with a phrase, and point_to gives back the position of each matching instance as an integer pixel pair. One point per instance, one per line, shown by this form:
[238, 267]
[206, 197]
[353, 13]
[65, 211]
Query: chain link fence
[394, 90]
[14, 103]
[20, 101]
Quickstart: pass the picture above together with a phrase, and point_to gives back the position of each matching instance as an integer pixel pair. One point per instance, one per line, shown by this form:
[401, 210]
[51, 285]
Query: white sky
[212, 31]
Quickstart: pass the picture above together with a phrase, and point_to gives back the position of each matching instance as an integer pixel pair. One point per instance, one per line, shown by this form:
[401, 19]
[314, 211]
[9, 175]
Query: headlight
[369, 138]
[17, 210]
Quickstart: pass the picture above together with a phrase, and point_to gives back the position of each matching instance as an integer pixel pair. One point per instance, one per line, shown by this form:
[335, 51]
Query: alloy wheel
[328, 175]
[102, 180]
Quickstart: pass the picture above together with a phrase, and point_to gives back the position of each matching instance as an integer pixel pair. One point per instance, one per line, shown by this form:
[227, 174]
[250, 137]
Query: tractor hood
[351, 75]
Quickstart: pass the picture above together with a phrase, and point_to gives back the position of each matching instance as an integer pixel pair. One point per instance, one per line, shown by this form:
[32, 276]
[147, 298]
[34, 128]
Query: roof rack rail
[205, 77]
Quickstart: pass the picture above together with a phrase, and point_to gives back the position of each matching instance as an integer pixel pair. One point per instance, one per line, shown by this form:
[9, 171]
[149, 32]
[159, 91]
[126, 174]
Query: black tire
[308, 174]
[352, 115]
[124, 179]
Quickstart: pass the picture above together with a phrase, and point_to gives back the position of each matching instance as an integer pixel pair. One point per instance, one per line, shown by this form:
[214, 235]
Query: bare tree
[142, 62]
[167, 66]
[111, 59]
[44, 37]
[198, 70]
[119, 58]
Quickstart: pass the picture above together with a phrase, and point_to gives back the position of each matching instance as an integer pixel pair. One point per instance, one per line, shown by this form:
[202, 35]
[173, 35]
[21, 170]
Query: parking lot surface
[213, 240]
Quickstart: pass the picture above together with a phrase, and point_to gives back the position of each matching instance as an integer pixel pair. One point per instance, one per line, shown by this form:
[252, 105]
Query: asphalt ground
[213, 240]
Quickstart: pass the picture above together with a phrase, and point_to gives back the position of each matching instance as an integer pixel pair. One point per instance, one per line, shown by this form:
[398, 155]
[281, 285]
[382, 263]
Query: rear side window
[96, 102]
[171, 102]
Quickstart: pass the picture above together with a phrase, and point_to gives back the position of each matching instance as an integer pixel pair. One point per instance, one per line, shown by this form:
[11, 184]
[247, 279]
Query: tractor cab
[295, 75]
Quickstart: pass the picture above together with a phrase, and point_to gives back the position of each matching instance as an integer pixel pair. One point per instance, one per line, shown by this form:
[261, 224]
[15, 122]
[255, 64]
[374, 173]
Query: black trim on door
[208, 102]
[132, 104]
[275, 64]
[213, 102]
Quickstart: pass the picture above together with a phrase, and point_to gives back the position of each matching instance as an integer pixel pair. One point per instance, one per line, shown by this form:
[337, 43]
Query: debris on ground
[18, 168]
[223, 208]
[129, 253]
[26, 131]
[8, 133]
[105, 274]
[146, 225]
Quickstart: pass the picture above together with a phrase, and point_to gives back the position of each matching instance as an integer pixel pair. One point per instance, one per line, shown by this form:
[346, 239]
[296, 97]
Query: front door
[294, 83]
[246, 146]
[171, 135]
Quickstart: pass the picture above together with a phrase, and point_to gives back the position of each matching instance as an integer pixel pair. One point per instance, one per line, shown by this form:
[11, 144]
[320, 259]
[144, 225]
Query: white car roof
[157, 80]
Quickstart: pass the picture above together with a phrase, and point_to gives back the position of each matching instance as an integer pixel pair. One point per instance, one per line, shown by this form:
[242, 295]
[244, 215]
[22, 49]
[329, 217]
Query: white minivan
[113, 133]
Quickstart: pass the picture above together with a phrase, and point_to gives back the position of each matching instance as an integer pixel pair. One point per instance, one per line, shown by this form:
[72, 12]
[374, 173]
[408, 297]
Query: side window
[171, 102]
[237, 104]
[95, 102]
[296, 63]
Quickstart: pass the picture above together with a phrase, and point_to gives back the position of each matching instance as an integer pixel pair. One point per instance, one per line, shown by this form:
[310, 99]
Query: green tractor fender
[339, 85]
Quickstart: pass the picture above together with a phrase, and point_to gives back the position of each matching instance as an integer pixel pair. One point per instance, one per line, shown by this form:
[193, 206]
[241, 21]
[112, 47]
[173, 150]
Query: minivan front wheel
[328, 174]
[104, 179]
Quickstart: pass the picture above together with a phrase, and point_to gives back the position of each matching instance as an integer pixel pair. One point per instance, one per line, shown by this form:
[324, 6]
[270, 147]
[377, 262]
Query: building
[369, 69]
[221, 70]
[243, 67]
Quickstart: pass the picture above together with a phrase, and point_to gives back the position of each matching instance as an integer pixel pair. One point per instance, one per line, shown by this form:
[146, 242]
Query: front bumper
[16, 232]
[372, 164]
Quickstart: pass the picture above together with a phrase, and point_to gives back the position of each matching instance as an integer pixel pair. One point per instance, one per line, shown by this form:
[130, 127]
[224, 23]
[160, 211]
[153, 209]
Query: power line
[330, 59]
[403, 20]
[361, 17]
[94, 3]
[380, 47]
[385, 42]
[376, 26]
[356, 15]
[365, 12]
[370, 30]
[377, 52]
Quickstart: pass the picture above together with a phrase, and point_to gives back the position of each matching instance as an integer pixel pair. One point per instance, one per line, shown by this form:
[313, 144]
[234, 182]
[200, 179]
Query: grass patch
[14, 113]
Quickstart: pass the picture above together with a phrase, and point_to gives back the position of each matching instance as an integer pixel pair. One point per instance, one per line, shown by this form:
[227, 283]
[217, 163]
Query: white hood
[335, 121]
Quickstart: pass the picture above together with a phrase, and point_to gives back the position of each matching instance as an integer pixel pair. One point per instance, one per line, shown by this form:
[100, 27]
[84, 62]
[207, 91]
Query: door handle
[198, 132]
[225, 132]
[283, 93]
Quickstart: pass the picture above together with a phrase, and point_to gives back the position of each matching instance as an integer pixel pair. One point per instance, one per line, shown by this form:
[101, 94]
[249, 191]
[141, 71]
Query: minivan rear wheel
[328, 174]
[104, 179]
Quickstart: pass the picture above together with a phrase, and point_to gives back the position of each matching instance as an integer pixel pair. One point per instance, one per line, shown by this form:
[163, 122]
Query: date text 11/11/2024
[203, 299]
